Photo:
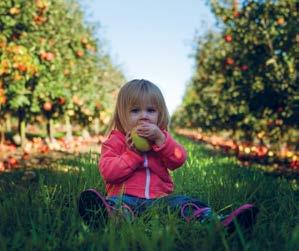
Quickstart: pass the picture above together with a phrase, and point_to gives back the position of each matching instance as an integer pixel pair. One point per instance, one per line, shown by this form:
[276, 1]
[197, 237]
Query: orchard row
[52, 67]
[246, 76]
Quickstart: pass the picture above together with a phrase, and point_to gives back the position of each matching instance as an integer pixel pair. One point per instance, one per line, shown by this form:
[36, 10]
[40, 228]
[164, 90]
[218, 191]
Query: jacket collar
[118, 134]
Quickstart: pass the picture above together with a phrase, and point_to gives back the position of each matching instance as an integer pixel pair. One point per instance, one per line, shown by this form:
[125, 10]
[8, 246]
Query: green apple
[140, 143]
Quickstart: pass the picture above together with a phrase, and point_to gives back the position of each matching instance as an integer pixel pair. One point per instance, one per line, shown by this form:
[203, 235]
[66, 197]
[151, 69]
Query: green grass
[41, 214]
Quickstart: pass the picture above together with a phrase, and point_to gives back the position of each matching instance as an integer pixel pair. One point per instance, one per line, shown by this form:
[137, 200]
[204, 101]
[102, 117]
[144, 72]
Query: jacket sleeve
[173, 154]
[116, 166]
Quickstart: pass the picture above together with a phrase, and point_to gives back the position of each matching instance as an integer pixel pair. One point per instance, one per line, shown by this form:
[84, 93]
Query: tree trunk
[2, 132]
[235, 5]
[68, 127]
[96, 126]
[50, 129]
[85, 133]
[8, 123]
[22, 131]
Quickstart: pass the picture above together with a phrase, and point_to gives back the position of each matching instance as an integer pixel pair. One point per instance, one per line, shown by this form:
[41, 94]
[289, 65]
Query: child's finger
[143, 134]
[142, 126]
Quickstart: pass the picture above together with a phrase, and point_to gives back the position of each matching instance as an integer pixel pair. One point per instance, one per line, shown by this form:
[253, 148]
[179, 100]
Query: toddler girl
[137, 180]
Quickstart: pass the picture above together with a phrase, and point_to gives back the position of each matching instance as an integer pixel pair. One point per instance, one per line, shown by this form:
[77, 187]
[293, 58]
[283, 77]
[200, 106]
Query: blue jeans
[174, 202]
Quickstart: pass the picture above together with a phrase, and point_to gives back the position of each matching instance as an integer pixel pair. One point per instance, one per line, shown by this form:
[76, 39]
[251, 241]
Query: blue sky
[152, 39]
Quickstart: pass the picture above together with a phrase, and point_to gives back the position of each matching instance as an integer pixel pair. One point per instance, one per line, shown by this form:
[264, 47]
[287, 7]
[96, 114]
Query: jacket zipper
[148, 177]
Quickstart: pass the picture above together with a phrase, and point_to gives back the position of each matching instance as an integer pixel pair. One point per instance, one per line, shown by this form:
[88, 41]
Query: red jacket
[144, 176]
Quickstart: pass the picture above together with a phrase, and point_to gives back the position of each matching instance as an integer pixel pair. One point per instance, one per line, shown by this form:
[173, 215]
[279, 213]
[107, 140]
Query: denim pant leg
[176, 202]
[138, 205]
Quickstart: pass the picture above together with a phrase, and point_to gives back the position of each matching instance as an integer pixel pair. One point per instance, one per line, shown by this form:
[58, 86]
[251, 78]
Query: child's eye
[151, 110]
[135, 110]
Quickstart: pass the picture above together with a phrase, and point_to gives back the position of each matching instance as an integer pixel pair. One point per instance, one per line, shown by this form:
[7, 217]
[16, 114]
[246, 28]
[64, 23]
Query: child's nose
[144, 115]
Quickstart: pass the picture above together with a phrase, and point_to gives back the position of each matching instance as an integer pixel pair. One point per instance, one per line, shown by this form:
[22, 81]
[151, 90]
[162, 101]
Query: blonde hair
[133, 93]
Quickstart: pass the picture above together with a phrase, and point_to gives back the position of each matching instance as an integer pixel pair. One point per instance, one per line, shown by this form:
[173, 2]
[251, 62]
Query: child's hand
[151, 132]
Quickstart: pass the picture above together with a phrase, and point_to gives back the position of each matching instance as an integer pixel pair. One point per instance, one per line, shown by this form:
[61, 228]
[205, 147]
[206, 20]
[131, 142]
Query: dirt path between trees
[40, 153]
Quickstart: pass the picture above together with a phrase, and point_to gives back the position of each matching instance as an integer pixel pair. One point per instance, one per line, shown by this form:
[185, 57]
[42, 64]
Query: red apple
[22, 67]
[228, 38]
[47, 106]
[80, 53]
[236, 14]
[280, 21]
[12, 161]
[50, 56]
[43, 55]
[39, 20]
[44, 149]
[230, 61]
[61, 100]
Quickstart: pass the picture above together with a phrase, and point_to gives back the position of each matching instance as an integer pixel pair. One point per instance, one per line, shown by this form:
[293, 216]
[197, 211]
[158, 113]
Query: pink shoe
[245, 216]
[201, 213]
[93, 208]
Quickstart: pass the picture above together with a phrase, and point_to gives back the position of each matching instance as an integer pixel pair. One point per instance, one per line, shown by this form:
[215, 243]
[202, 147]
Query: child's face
[142, 113]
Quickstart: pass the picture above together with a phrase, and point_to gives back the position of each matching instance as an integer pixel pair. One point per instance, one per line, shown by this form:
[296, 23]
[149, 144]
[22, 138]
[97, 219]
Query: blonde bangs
[136, 93]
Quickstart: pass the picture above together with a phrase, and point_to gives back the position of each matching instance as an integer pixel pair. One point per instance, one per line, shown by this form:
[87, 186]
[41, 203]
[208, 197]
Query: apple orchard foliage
[246, 76]
[50, 64]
